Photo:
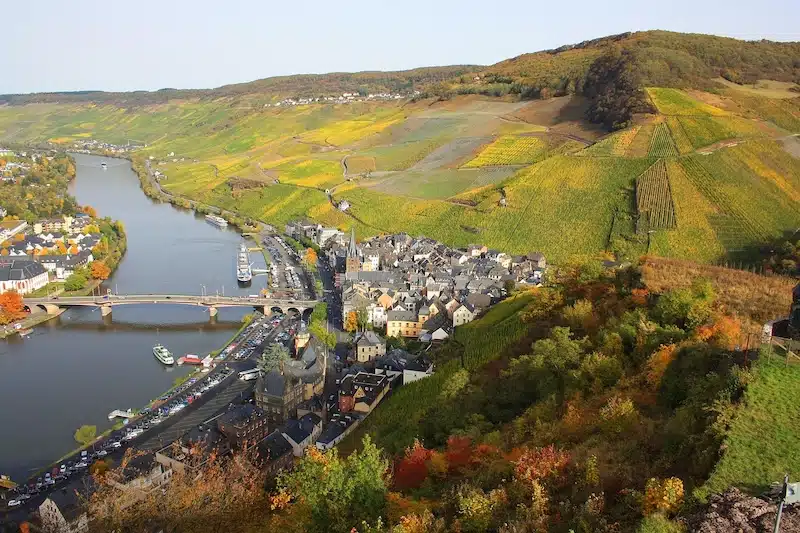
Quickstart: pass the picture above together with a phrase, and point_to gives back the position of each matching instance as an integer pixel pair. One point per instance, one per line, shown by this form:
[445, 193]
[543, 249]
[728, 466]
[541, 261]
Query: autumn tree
[213, 493]
[99, 270]
[310, 257]
[337, 494]
[89, 210]
[351, 321]
[12, 307]
[62, 248]
[412, 469]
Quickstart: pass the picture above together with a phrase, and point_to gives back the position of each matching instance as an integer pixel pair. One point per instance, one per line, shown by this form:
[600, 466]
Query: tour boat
[217, 221]
[163, 355]
[244, 272]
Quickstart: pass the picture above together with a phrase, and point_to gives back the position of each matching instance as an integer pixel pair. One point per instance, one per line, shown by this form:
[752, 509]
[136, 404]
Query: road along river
[75, 369]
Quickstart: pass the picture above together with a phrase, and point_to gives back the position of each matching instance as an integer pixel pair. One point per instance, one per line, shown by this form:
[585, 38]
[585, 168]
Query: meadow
[759, 447]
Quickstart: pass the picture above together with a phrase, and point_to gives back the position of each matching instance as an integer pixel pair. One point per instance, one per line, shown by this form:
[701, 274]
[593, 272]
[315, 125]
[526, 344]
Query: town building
[276, 454]
[21, 275]
[280, 392]
[243, 424]
[368, 345]
[303, 432]
[362, 392]
[402, 323]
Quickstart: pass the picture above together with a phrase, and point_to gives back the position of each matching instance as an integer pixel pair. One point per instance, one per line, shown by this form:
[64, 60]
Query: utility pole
[790, 493]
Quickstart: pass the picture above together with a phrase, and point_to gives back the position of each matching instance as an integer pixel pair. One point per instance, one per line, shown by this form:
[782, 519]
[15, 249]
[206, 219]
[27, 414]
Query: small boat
[103, 164]
[190, 359]
[25, 332]
[163, 355]
[217, 221]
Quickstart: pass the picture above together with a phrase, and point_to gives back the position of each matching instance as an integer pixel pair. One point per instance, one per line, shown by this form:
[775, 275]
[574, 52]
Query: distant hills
[665, 59]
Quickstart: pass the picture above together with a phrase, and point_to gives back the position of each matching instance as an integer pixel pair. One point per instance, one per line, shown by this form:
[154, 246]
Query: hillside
[593, 404]
[709, 173]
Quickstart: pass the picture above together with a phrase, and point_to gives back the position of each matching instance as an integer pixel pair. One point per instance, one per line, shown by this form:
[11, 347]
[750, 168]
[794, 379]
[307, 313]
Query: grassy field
[441, 184]
[762, 442]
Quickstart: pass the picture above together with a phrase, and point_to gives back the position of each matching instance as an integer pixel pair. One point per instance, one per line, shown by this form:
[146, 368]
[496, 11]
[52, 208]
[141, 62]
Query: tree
[100, 270]
[614, 89]
[351, 321]
[338, 494]
[85, 435]
[89, 210]
[509, 285]
[62, 248]
[273, 356]
[362, 318]
[75, 282]
[311, 257]
[12, 307]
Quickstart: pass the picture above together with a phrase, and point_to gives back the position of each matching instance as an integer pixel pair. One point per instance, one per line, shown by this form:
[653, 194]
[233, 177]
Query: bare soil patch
[564, 114]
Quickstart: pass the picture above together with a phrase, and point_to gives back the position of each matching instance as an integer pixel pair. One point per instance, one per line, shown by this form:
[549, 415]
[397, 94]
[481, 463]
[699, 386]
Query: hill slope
[706, 175]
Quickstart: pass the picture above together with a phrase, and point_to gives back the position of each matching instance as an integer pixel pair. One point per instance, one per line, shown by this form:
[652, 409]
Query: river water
[75, 369]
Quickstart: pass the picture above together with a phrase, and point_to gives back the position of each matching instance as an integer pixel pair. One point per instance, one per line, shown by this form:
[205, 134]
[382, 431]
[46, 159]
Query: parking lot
[286, 276]
[168, 418]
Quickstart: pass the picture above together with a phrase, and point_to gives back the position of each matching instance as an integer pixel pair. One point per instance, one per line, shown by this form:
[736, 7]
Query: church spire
[352, 249]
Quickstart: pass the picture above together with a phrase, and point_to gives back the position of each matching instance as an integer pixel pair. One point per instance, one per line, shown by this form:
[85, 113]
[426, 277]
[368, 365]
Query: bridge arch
[276, 309]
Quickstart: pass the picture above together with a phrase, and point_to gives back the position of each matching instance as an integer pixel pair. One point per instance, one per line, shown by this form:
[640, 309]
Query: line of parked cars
[245, 350]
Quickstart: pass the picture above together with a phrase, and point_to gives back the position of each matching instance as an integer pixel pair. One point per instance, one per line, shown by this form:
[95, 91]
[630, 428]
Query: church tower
[353, 263]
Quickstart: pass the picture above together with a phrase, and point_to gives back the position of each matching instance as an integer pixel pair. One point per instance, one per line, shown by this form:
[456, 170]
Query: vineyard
[654, 198]
[661, 144]
[677, 102]
[510, 150]
[359, 164]
[705, 131]
[682, 142]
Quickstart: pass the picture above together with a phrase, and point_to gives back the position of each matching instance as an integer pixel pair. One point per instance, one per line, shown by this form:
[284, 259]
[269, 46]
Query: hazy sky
[54, 45]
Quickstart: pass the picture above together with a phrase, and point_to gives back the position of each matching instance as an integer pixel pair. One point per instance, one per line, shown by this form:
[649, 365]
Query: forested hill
[301, 85]
[664, 59]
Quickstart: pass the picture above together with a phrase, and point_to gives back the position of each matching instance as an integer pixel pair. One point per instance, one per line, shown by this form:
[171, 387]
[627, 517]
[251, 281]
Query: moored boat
[217, 221]
[163, 355]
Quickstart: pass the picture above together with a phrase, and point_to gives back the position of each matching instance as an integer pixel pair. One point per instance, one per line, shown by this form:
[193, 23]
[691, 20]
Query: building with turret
[280, 392]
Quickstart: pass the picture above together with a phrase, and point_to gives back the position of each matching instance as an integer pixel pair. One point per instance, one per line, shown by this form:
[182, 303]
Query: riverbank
[29, 322]
[152, 189]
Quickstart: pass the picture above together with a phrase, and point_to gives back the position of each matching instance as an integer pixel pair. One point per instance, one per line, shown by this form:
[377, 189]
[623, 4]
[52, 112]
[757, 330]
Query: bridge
[212, 302]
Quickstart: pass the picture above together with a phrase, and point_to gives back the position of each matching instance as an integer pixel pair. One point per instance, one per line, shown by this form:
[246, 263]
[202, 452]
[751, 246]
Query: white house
[22, 275]
[416, 370]
[463, 315]
[377, 316]
[302, 433]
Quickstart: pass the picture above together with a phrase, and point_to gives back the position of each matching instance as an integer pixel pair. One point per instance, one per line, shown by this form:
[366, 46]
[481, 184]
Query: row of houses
[420, 288]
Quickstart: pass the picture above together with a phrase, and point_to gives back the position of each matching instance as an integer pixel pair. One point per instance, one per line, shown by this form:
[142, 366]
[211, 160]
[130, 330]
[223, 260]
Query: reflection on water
[77, 368]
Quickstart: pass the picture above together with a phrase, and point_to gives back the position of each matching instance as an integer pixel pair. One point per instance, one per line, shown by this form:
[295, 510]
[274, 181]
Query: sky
[55, 45]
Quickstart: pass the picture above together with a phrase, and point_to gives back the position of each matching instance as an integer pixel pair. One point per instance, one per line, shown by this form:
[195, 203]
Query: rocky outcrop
[736, 512]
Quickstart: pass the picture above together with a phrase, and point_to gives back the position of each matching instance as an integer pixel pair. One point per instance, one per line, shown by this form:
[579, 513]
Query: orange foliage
[99, 270]
[89, 210]
[540, 463]
[658, 363]
[4, 251]
[12, 307]
[639, 296]
[724, 332]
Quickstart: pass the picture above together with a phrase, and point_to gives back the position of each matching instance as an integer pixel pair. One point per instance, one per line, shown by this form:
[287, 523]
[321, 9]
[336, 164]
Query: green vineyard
[654, 198]
[661, 144]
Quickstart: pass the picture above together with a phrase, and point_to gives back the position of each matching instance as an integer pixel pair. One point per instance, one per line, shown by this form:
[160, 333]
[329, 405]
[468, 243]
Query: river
[75, 369]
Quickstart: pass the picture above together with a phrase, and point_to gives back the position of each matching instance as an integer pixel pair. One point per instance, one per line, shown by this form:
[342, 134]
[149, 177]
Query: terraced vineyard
[676, 102]
[682, 141]
[654, 198]
[510, 150]
[661, 144]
